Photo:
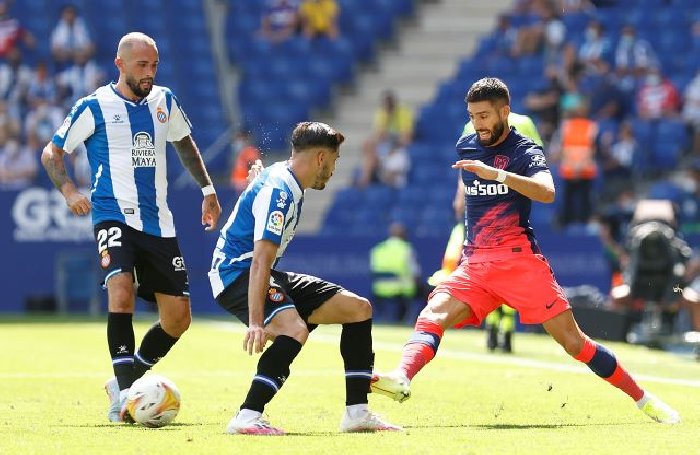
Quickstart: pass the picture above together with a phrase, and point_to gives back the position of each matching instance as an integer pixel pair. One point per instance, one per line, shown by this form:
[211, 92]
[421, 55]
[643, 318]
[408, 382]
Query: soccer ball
[153, 401]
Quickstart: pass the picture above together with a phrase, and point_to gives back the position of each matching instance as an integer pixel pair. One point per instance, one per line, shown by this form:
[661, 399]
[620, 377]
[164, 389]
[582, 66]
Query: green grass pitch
[466, 401]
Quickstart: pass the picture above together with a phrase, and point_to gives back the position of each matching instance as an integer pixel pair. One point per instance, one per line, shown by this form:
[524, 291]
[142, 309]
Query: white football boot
[117, 402]
[251, 422]
[395, 385]
[365, 422]
[658, 410]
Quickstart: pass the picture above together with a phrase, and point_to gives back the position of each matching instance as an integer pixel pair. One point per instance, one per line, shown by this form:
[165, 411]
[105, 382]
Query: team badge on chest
[161, 115]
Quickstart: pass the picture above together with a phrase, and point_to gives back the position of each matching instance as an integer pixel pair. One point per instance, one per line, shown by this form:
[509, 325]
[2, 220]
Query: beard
[322, 178]
[496, 133]
[136, 86]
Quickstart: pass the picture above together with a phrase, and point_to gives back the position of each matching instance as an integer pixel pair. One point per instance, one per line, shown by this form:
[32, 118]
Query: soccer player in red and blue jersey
[503, 172]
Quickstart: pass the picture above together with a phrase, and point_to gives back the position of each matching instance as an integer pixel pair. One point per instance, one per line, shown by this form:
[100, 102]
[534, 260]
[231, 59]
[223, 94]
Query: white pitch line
[484, 358]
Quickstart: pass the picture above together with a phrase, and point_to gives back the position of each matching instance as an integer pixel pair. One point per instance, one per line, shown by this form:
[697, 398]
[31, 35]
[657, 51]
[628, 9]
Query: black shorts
[156, 263]
[287, 290]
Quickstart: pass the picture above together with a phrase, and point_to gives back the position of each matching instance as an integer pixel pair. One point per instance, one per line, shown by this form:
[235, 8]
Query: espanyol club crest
[161, 115]
[500, 162]
[275, 295]
[105, 260]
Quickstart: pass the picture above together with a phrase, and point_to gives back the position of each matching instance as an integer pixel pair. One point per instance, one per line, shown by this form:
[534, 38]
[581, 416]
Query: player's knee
[361, 310]
[296, 330]
[182, 323]
[572, 344]
[121, 297]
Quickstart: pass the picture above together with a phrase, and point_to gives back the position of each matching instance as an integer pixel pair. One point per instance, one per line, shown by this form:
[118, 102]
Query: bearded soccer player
[125, 127]
[283, 307]
[503, 171]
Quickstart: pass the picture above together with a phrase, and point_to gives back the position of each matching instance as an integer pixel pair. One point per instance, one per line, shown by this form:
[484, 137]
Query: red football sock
[421, 348]
[604, 364]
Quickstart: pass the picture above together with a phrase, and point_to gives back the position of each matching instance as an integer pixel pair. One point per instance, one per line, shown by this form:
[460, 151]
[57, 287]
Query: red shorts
[525, 282]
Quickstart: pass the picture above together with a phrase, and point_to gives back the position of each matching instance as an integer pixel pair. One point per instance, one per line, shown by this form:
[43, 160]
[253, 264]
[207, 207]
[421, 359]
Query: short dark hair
[315, 134]
[488, 89]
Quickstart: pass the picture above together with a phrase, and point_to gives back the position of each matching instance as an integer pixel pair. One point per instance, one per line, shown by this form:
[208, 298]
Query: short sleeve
[76, 128]
[179, 125]
[270, 209]
[532, 162]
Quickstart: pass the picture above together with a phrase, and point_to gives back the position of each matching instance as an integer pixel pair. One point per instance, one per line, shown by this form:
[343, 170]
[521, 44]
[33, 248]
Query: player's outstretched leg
[603, 362]
[441, 312]
[356, 350]
[417, 352]
[273, 370]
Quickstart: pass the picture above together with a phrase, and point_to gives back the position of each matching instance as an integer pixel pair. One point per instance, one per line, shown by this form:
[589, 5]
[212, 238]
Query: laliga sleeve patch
[275, 222]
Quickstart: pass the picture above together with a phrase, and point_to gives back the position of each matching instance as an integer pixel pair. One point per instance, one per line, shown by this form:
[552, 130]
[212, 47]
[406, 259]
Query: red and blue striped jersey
[497, 217]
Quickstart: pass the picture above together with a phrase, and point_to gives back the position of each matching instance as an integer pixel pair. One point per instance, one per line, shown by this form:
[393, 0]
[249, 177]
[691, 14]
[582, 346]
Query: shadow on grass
[524, 426]
[171, 427]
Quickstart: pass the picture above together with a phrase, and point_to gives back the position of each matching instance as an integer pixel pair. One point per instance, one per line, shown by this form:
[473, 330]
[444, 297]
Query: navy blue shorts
[287, 290]
[156, 263]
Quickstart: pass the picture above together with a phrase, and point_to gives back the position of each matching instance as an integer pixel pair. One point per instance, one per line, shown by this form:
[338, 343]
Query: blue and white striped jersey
[268, 209]
[125, 143]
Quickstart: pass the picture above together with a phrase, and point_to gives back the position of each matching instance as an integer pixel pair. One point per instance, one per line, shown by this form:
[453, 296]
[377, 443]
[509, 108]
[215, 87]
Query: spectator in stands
[577, 165]
[690, 200]
[545, 35]
[595, 48]
[18, 165]
[79, 79]
[319, 18]
[42, 88]
[607, 101]
[9, 124]
[395, 272]
[691, 110]
[506, 36]
[244, 155]
[393, 127]
[617, 156]
[544, 104]
[657, 97]
[614, 221]
[633, 56]
[15, 78]
[393, 169]
[42, 121]
[12, 32]
[70, 39]
[280, 21]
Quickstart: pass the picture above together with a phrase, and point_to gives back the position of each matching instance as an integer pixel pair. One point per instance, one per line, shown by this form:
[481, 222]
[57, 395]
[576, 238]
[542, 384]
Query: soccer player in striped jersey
[503, 172]
[283, 306]
[125, 127]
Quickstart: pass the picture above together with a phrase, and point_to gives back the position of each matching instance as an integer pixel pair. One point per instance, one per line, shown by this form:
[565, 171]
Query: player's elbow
[46, 155]
[548, 195]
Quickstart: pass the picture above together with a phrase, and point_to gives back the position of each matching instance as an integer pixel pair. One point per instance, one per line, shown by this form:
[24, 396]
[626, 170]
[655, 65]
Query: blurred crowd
[35, 93]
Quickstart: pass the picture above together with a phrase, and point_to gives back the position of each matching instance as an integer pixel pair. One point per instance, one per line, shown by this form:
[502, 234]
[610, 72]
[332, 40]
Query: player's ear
[118, 62]
[505, 110]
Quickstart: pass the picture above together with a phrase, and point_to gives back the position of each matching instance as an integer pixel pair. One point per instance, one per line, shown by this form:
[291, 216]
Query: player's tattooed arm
[192, 160]
[52, 160]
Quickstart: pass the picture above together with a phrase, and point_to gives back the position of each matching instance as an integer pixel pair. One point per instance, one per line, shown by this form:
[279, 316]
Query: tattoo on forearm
[192, 160]
[56, 169]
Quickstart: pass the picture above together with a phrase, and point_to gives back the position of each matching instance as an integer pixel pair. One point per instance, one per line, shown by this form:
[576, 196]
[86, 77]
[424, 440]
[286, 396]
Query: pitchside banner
[38, 229]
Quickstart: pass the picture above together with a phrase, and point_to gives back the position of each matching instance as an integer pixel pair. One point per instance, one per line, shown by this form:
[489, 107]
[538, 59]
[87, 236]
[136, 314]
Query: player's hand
[254, 340]
[477, 167]
[78, 203]
[254, 171]
[211, 211]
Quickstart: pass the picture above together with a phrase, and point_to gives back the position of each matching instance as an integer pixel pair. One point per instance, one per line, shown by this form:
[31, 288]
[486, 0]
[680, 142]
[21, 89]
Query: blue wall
[38, 228]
